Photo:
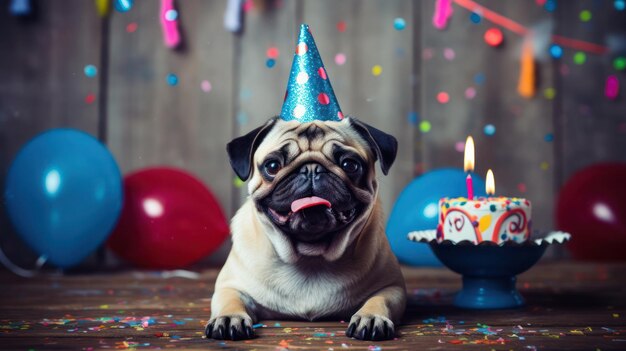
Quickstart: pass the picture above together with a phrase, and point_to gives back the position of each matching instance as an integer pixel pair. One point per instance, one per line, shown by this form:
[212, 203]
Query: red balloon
[169, 220]
[592, 207]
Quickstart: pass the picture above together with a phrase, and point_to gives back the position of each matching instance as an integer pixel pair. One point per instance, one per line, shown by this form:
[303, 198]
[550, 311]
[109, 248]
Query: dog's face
[313, 184]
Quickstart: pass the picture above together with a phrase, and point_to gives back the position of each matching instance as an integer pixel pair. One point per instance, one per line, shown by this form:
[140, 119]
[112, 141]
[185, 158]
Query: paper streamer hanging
[233, 16]
[519, 29]
[20, 7]
[443, 11]
[526, 85]
[169, 23]
[103, 7]
[611, 89]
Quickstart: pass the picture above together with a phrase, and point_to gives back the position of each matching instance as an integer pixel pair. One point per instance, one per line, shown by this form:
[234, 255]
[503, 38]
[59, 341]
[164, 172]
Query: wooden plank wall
[42, 84]
[147, 122]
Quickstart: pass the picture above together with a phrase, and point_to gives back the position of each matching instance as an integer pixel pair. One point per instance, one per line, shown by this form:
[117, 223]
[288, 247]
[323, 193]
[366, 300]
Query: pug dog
[309, 242]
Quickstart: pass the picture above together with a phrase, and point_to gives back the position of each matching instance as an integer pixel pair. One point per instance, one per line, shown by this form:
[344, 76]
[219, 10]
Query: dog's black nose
[312, 169]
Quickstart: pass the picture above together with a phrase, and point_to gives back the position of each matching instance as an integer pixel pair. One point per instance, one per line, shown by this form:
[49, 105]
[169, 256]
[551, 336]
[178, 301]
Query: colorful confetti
[619, 63]
[272, 52]
[550, 5]
[425, 126]
[494, 37]
[172, 79]
[489, 130]
[340, 59]
[449, 54]
[399, 23]
[131, 27]
[580, 58]
[475, 17]
[549, 93]
[459, 146]
[377, 70]
[556, 51]
[470, 93]
[585, 15]
[611, 88]
[341, 26]
[206, 86]
[443, 97]
[479, 78]
[90, 98]
[91, 71]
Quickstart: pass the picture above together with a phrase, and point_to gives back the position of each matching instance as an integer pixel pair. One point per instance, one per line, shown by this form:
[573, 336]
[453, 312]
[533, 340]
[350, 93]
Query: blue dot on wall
[549, 137]
[619, 5]
[242, 118]
[172, 79]
[550, 5]
[490, 129]
[91, 71]
[270, 63]
[399, 23]
[479, 78]
[412, 117]
[475, 18]
[556, 51]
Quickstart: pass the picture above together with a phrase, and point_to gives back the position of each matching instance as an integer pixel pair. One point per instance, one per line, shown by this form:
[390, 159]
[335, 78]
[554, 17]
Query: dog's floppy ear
[384, 145]
[240, 150]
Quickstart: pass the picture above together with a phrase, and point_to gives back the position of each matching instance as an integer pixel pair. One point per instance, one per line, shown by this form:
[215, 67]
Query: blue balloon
[63, 195]
[417, 208]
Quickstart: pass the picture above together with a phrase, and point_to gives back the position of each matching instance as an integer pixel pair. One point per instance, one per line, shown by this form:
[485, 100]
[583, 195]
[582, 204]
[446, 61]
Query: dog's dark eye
[349, 165]
[272, 167]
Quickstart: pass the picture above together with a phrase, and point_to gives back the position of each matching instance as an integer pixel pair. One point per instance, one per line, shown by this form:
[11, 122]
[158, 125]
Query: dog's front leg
[229, 317]
[375, 320]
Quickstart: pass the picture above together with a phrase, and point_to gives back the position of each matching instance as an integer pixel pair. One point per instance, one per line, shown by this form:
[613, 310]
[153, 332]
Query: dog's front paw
[230, 327]
[370, 327]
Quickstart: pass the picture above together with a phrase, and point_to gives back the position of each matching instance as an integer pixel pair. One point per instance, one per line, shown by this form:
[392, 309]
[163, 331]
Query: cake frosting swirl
[496, 219]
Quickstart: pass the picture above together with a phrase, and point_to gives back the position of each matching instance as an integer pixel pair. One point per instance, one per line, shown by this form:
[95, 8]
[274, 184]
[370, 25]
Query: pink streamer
[443, 12]
[611, 89]
[171, 35]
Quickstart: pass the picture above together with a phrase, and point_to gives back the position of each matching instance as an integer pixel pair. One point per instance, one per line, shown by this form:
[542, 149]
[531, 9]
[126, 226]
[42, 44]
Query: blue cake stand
[489, 270]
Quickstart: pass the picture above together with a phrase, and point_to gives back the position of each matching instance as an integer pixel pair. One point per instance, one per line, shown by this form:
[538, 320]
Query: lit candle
[490, 185]
[468, 166]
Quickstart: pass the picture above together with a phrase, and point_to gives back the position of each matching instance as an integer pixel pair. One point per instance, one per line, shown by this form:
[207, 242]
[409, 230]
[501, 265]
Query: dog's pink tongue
[307, 202]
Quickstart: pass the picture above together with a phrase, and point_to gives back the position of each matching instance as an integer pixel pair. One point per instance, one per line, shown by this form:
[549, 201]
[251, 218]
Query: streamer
[169, 23]
[526, 86]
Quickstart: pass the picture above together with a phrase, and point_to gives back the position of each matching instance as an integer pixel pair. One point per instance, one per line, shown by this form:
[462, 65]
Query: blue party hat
[309, 96]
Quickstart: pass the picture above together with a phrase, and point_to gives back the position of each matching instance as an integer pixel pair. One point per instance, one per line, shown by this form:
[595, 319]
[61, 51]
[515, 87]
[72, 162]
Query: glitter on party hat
[309, 95]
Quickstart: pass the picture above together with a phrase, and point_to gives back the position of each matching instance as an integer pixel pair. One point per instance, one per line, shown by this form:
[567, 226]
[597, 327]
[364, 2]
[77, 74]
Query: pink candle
[468, 166]
[470, 187]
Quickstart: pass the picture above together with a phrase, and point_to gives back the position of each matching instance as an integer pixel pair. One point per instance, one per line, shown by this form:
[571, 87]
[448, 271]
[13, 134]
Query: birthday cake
[496, 219]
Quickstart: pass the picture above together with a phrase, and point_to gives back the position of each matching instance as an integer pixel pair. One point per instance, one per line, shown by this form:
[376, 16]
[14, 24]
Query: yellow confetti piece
[544, 165]
[377, 70]
[549, 93]
[615, 315]
[577, 332]
[103, 7]
[104, 307]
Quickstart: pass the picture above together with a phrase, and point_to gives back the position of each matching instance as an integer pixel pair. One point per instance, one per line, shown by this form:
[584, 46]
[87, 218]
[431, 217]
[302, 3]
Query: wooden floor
[570, 306]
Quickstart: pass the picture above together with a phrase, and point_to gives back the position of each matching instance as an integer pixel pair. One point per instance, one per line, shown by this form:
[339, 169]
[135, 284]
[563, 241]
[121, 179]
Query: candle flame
[468, 159]
[490, 186]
